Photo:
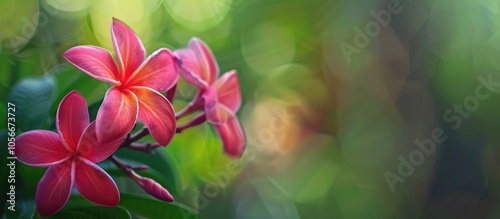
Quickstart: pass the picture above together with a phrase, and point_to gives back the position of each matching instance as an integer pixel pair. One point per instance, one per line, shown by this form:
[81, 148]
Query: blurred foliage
[322, 127]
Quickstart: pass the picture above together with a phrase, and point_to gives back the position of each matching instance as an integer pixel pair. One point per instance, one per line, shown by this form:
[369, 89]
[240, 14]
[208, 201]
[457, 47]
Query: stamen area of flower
[74, 155]
[117, 83]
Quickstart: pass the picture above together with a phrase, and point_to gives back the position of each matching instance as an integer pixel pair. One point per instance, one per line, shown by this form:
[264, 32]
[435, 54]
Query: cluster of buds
[138, 84]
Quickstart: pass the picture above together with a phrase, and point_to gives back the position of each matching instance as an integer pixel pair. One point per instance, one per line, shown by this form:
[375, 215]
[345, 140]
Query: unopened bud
[155, 189]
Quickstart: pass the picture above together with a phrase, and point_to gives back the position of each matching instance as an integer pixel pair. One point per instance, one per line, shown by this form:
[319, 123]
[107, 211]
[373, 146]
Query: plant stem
[131, 139]
[194, 122]
[125, 167]
[196, 104]
[138, 135]
[144, 147]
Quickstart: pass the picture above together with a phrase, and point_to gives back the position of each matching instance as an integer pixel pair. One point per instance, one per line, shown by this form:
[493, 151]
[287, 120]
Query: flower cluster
[137, 89]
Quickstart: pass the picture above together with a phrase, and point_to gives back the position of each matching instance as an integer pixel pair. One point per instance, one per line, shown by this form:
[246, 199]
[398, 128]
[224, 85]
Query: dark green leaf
[152, 208]
[32, 98]
[25, 209]
[93, 108]
[92, 212]
[71, 79]
[9, 75]
[27, 178]
[140, 206]
[3, 113]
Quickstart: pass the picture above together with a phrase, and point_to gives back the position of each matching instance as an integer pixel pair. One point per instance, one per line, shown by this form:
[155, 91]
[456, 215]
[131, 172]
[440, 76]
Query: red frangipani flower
[219, 98]
[70, 154]
[136, 85]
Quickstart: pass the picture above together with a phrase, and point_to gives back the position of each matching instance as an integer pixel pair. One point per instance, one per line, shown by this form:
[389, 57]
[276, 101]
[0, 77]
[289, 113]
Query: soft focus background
[352, 108]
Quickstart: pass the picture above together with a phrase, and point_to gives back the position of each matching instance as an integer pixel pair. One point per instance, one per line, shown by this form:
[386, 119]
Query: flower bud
[155, 189]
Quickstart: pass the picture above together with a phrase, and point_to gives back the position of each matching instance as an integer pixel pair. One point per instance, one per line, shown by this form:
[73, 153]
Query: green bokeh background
[324, 124]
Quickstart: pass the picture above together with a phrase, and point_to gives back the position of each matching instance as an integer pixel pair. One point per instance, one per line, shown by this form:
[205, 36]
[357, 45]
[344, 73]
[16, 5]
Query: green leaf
[92, 213]
[3, 113]
[140, 206]
[25, 209]
[8, 76]
[70, 78]
[94, 108]
[152, 208]
[32, 98]
[27, 178]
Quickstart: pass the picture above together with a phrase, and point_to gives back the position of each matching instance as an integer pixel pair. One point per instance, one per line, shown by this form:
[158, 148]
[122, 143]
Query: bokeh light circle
[198, 15]
[267, 46]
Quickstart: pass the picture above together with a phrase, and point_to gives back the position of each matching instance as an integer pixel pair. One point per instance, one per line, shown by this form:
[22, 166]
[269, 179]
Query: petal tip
[236, 152]
[233, 137]
[116, 21]
[232, 73]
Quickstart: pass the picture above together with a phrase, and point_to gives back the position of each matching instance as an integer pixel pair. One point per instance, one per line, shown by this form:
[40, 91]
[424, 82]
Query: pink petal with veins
[54, 189]
[94, 61]
[157, 72]
[128, 48]
[197, 64]
[94, 150]
[117, 115]
[95, 184]
[156, 112]
[40, 148]
[72, 118]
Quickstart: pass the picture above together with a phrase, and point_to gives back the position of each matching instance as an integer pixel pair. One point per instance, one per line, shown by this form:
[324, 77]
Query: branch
[196, 104]
[194, 122]
[138, 135]
[127, 168]
[144, 147]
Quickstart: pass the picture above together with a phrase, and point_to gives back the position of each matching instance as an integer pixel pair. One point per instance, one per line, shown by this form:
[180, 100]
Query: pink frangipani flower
[70, 154]
[136, 85]
[221, 97]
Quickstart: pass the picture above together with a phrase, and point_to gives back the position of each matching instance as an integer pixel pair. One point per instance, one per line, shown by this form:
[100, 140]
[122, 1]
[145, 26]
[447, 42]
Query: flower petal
[117, 115]
[90, 148]
[156, 112]
[157, 72]
[188, 68]
[40, 148]
[171, 93]
[94, 184]
[72, 118]
[94, 61]
[232, 136]
[223, 99]
[217, 113]
[228, 91]
[54, 189]
[128, 48]
[197, 64]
